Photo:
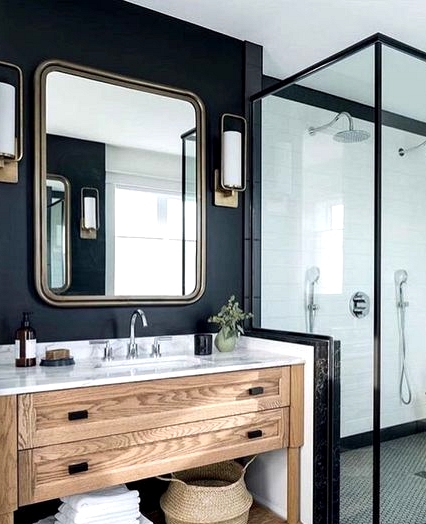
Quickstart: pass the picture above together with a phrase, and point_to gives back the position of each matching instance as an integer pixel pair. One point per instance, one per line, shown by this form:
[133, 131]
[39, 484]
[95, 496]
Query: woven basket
[208, 495]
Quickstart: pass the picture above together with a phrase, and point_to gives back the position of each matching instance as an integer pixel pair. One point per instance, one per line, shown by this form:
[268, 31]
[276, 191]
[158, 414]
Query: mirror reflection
[132, 153]
[58, 213]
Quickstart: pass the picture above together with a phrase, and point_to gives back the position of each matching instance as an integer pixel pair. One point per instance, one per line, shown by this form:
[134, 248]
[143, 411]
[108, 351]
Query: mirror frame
[40, 174]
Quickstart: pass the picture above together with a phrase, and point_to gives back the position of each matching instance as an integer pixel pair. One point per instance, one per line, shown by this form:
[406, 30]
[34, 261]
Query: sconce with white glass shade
[231, 179]
[89, 222]
[11, 142]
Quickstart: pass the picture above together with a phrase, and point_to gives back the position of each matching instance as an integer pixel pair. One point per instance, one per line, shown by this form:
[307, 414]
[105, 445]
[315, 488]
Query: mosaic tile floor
[403, 482]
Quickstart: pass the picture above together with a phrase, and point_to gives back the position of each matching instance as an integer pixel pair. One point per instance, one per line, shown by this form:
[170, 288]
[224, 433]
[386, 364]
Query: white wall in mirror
[118, 115]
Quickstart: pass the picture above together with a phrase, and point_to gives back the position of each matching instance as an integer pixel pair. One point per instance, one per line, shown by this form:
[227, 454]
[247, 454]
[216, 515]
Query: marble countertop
[15, 380]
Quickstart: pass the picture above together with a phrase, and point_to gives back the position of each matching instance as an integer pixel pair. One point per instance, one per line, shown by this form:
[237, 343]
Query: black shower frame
[252, 256]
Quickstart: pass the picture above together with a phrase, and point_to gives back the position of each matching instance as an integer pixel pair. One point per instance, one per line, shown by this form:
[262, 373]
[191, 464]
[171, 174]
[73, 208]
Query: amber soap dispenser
[25, 343]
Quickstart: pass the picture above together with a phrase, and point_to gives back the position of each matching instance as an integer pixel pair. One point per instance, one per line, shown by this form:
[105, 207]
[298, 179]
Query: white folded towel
[108, 520]
[144, 520]
[99, 510]
[116, 494]
[125, 516]
[51, 520]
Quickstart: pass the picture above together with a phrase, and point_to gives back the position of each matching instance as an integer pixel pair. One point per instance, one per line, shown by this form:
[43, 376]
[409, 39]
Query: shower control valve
[359, 304]
[313, 307]
[402, 304]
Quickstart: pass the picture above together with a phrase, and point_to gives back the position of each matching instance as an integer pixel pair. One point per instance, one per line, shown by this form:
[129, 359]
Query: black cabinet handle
[78, 468]
[256, 391]
[78, 415]
[256, 433]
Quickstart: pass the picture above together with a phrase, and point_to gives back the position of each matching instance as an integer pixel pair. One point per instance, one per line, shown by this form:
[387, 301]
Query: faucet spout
[132, 347]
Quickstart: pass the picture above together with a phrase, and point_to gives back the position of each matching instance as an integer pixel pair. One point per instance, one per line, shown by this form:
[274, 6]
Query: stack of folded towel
[115, 505]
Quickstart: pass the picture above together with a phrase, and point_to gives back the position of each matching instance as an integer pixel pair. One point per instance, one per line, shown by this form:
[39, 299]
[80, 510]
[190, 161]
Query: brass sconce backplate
[223, 197]
[9, 172]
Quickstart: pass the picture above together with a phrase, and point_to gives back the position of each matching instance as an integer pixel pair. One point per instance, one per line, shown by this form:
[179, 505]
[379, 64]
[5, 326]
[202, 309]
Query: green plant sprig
[231, 316]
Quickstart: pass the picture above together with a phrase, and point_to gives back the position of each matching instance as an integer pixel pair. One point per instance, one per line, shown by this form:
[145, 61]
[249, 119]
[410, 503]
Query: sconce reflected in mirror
[11, 143]
[231, 179]
[89, 222]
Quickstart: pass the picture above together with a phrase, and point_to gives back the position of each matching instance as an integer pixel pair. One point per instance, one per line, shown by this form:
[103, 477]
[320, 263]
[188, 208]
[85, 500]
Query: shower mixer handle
[359, 304]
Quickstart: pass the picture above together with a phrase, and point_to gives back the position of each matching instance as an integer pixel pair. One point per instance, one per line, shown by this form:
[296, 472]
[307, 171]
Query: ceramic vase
[226, 340]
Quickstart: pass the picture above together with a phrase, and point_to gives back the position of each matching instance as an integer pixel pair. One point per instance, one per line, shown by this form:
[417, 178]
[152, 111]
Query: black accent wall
[129, 40]
[82, 162]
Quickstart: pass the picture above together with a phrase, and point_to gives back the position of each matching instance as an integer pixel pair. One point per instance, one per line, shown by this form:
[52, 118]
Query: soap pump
[25, 343]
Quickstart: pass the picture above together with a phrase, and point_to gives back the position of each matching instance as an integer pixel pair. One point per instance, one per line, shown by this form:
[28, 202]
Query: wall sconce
[11, 146]
[89, 222]
[231, 179]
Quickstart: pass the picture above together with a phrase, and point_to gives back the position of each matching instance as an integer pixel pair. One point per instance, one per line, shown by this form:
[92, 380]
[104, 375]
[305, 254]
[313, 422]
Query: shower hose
[404, 384]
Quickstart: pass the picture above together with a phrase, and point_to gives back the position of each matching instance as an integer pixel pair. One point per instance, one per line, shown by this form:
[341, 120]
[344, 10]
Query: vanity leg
[295, 441]
[293, 486]
[8, 459]
[7, 518]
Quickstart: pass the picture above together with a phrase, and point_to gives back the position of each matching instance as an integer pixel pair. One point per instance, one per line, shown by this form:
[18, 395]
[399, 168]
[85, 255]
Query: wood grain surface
[122, 408]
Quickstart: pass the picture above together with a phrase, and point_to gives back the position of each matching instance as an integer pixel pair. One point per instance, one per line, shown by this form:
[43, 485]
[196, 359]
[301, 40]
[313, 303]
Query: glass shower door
[403, 304]
[317, 240]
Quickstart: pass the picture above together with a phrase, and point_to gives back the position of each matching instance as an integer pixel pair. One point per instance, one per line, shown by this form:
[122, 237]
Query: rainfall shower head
[351, 136]
[348, 136]
[400, 277]
[312, 274]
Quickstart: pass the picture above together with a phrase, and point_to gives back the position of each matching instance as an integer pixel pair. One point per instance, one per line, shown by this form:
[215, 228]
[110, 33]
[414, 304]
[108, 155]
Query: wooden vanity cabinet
[8, 459]
[76, 440]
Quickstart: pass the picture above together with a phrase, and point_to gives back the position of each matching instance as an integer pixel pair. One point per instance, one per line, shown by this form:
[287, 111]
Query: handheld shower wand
[312, 277]
[400, 278]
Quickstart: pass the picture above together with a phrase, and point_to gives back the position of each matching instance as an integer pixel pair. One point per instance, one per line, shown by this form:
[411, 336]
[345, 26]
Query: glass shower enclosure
[339, 192]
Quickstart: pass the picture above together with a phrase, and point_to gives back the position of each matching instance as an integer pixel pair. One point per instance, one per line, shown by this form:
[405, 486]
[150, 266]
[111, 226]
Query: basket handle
[173, 479]
[248, 463]
[170, 479]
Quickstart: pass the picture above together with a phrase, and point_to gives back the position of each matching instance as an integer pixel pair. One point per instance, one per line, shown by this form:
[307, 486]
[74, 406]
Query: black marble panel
[326, 427]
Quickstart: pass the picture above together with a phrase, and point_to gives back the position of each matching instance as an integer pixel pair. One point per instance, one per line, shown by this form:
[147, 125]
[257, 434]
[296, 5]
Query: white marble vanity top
[250, 354]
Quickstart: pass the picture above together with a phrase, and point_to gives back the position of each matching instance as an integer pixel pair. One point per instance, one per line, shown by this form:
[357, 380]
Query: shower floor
[403, 482]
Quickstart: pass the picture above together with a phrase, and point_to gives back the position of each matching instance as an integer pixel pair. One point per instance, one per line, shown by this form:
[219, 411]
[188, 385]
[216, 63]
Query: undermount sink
[148, 362]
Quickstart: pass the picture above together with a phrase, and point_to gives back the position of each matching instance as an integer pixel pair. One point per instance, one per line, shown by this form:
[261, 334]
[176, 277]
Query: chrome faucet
[155, 348]
[132, 347]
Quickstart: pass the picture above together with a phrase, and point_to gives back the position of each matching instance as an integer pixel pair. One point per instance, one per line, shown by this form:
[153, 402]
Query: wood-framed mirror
[134, 151]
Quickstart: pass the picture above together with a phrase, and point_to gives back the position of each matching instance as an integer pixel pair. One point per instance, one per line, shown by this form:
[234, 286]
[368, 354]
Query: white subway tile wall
[318, 210]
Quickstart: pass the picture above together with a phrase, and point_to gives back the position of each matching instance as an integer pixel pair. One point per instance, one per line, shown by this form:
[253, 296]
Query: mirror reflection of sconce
[231, 179]
[89, 222]
[11, 146]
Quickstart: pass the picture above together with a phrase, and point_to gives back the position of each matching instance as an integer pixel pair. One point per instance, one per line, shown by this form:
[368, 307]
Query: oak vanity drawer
[60, 470]
[84, 413]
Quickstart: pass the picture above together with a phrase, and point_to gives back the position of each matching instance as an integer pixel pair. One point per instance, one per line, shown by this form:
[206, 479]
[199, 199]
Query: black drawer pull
[78, 468]
[256, 433]
[256, 391]
[77, 415]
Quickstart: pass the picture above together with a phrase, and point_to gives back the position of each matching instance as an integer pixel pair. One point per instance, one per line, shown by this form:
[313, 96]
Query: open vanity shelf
[258, 515]
[57, 443]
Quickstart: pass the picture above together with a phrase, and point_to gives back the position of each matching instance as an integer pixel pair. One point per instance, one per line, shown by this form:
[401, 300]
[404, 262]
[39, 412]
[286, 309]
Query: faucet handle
[107, 348]
[156, 349]
[98, 342]
[108, 356]
[162, 337]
